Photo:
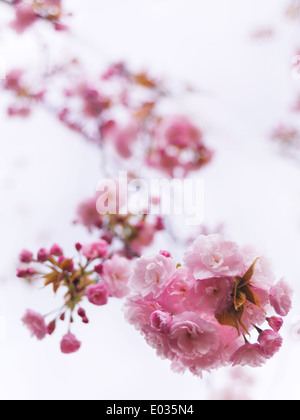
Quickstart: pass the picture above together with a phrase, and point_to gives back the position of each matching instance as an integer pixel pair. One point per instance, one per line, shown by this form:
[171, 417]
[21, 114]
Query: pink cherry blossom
[191, 336]
[195, 343]
[145, 236]
[138, 312]
[212, 295]
[115, 274]
[13, 81]
[25, 17]
[95, 250]
[123, 138]
[271, 342]
[35, 323]
[214, 256]
[249, 355]
[178, 131]
[160, 343]
[176, 295]
[69, 344]
[281, 298]
[150, 275]
[88, 215]
[161, 321]
[97, 294]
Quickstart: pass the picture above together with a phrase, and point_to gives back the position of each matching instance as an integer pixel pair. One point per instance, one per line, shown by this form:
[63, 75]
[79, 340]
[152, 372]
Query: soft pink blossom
[69, 344]
[97, 294]
[25, 17]
[212, 295]
[214, 256]
[271, 342]
[178, 131]
[35, 323]
[123, 138]
[138, 312]
[88, 215]
[151, 274]
[95, 250]
[115, 274]
[145, 236]
[161, 321]
[249, 355]
[281, 298]
[192, 337]
[176, 295]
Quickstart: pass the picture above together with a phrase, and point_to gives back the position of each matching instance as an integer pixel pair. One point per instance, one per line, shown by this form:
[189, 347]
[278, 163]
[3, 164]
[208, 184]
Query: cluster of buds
[29, 12]
[94, 276]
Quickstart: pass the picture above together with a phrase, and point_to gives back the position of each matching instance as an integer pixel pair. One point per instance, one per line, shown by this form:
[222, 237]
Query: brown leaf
[249, 274]
[142, 79]
[229, 319]
[239, 300]
[252, 297]
[51, 278]
[144, 111]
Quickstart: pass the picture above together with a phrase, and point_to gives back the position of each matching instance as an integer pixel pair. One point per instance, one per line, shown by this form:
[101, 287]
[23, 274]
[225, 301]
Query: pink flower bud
[43, 255]
[51, 328]
[25, 273]
[26, 256]
[275, 323]
[78, 246]
[81, 313]
[69, 344]
[166, 254]
[99, 269]
[56, 251]
[95, 250]
[98, 294]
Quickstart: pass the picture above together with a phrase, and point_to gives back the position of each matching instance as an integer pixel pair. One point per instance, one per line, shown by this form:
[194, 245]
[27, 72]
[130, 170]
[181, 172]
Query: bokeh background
[246, 88]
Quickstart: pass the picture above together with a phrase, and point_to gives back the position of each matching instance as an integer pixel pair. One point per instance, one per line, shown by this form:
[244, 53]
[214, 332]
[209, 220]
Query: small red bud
[51, 327]
[81, 312]
[78, 246]
[99, 269]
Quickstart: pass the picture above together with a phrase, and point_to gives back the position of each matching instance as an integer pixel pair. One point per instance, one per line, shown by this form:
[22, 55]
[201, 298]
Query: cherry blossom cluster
[133, 232]
[93, 276]
[28, 12]
[119, 111]
[203, 315]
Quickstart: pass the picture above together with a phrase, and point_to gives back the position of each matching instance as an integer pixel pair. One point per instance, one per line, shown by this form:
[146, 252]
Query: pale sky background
[46, 170]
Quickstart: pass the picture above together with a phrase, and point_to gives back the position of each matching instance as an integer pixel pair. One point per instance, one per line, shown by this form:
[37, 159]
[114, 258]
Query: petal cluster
[200, 315]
